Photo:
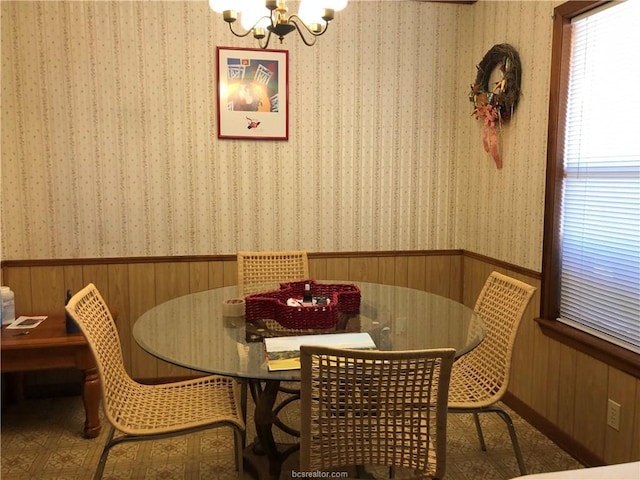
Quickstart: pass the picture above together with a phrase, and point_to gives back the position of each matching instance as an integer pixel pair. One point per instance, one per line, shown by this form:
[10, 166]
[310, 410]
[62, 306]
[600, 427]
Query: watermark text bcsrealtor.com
[318, 474]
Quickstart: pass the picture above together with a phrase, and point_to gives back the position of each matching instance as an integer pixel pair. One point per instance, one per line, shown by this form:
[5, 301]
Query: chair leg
[510, 427]
[361, 472]
[239, 441]
[105, 454]
[239, 437]
[476, 420]
[243, 405]
[514, 438]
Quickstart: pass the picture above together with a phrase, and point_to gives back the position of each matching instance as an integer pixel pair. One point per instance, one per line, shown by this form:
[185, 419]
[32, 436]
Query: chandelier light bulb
[219, 6]
[251, 12]
[336, 5]
[311, 12]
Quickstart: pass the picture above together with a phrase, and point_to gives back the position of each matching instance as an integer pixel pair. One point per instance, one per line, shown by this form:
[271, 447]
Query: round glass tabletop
[191, 331]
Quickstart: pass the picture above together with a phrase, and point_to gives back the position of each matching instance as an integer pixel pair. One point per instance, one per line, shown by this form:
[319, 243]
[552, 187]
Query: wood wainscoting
[560, 390]
[134, 285]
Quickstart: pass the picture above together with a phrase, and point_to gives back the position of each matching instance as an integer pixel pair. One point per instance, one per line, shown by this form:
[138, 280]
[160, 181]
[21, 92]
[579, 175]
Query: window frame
[596, 347]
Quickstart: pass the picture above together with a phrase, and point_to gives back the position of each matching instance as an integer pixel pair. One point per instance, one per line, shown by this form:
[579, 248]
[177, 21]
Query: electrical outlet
[613, 414]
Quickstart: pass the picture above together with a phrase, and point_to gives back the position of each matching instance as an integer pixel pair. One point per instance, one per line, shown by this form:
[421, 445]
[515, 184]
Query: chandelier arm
[238, 34]
[296, 21]
[251, 29]
[266, 43]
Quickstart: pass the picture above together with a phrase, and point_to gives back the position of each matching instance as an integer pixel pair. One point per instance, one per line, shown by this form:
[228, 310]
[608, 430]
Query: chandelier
[264, 18]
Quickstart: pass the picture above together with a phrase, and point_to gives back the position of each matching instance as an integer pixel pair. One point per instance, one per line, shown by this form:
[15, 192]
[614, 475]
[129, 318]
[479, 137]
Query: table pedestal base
[261, 467]
[257, 466]
[266, 451]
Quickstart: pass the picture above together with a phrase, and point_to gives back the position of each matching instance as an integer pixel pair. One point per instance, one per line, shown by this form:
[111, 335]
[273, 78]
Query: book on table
[283, 353]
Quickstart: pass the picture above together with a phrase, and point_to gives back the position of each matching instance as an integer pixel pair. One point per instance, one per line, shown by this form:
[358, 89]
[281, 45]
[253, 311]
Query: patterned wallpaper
[504, 209]
[110, 148]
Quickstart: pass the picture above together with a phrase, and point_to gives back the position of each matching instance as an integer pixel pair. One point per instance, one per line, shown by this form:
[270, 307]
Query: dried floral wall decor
[495, 105]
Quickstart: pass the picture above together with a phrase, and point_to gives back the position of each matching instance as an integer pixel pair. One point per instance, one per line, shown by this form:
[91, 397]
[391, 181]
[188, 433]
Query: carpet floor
[42, 439]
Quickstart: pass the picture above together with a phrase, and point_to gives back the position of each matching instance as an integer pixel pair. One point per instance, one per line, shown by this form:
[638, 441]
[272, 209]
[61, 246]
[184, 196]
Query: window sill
[613, 355]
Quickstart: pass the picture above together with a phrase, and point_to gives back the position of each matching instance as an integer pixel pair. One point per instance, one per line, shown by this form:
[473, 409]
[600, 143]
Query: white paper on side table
[27, 322]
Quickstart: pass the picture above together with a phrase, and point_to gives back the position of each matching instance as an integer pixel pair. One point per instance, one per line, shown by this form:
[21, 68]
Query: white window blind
[600, 209]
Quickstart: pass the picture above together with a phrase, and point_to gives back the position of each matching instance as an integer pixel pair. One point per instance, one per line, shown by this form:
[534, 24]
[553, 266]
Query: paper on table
[27, 322]
[283, 353]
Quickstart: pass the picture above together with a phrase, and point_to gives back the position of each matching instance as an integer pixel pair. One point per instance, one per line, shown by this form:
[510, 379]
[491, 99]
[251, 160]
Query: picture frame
[253, 93]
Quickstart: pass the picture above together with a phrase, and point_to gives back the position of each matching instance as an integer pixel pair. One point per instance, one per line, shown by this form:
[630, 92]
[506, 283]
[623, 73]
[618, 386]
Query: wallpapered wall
[502, 212]
[110, 148]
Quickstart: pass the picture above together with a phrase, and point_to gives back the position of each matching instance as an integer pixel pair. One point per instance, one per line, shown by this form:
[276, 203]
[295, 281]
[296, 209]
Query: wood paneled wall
[560, 390]
[133, 287]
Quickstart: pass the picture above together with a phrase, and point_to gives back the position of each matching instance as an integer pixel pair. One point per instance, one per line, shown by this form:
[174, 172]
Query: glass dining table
[192, 331]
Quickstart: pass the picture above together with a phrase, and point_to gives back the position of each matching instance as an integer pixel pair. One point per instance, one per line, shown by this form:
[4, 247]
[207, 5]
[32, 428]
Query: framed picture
[253, 93]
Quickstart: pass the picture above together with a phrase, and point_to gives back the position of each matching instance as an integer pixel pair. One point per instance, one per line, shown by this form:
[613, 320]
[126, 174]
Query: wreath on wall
[495, 105]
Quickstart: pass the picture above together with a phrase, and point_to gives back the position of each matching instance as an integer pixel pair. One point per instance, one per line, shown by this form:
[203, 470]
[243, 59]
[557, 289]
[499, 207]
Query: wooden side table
[49, 346]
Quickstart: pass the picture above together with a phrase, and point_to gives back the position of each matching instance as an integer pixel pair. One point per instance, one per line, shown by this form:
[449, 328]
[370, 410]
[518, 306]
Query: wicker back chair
[367, 407]
[480, 378]
[147, 412]
[263, 271]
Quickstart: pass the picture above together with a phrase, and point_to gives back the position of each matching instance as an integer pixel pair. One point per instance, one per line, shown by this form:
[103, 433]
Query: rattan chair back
[92, 315]
[143, 412]
[264, 271]
[366, 407]
[481, 377]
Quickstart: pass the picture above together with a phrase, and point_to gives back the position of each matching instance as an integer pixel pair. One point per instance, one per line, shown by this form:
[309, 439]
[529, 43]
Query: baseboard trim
[559, 437]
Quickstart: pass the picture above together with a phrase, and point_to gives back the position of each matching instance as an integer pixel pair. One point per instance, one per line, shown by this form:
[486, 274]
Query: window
[591, 262]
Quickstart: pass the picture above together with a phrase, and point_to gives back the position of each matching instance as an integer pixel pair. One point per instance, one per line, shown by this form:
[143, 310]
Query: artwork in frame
[253, 93]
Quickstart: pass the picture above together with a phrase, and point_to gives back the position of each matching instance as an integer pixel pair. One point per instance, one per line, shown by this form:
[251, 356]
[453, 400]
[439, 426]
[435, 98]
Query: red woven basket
[344, 298]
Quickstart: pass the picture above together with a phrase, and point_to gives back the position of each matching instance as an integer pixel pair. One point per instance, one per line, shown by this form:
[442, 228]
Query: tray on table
[272, 305]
